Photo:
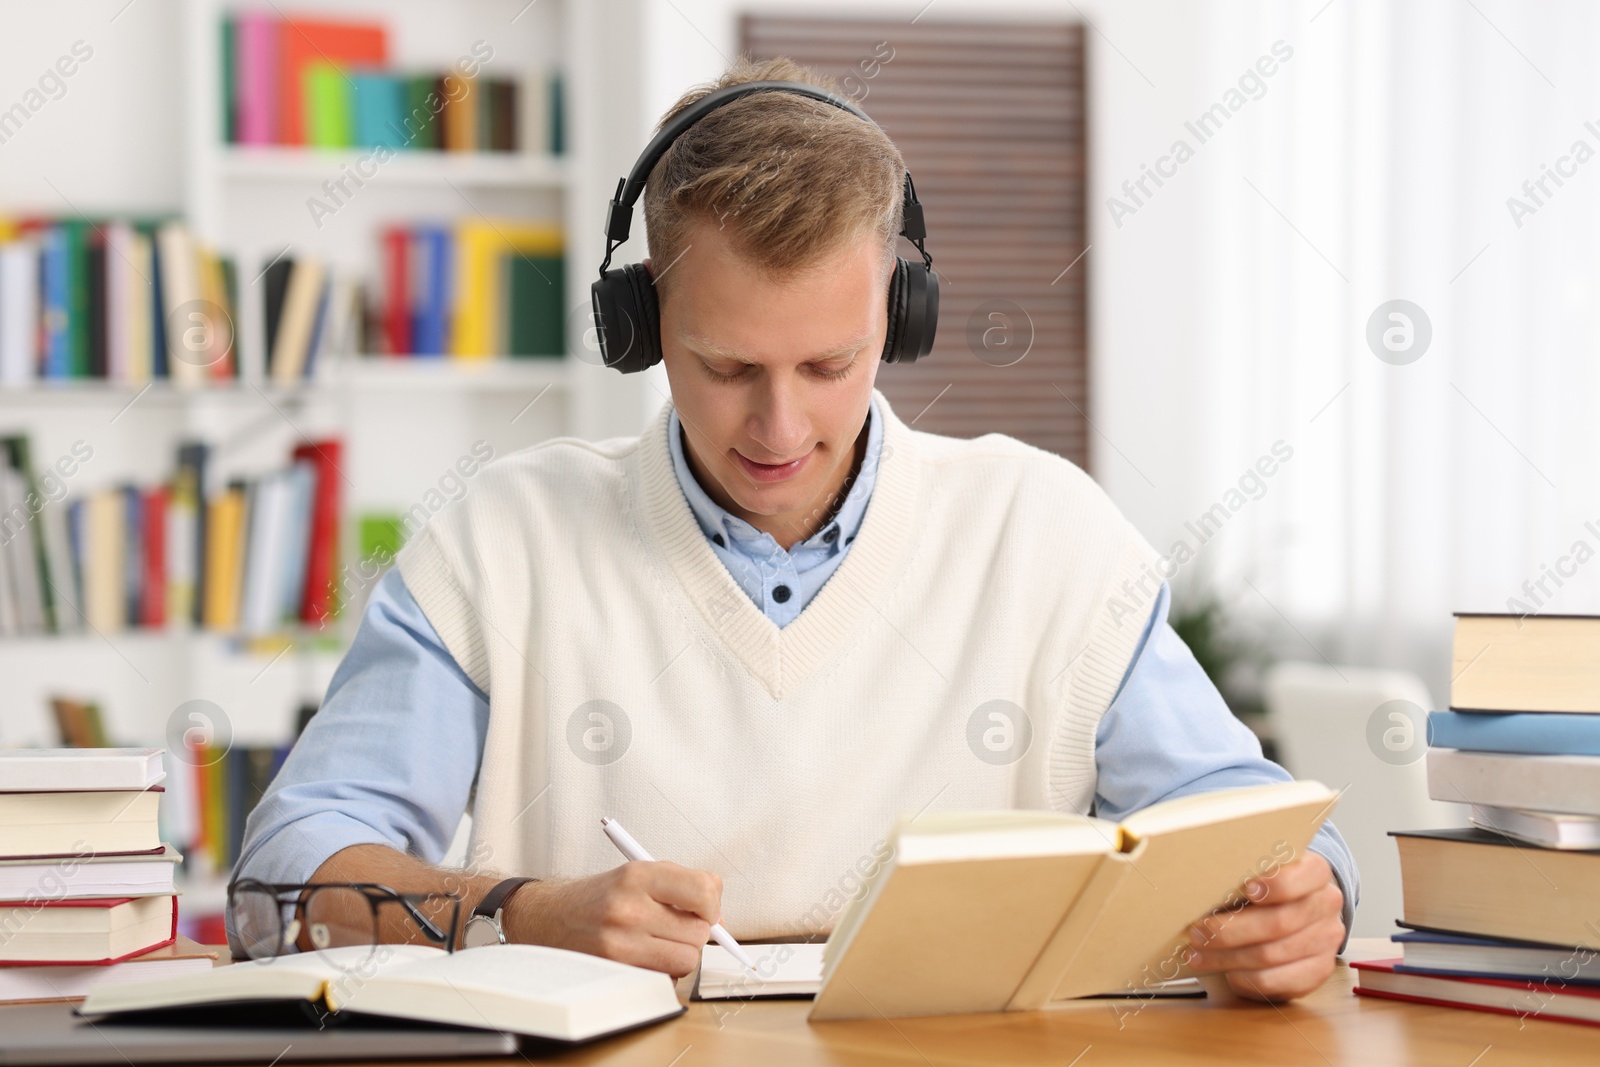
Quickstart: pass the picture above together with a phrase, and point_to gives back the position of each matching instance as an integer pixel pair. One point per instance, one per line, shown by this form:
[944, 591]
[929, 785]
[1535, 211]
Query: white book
[523, 989]
[291, 347]
[139, 313]
[54, 769]
[1543, 828]
[180, 289]
[534, 119]
[19, 312]
[783, 970]
[104, 561]
[1564, 784]
[265, 555]
[90, 876]
[119, 299]
[18, 534]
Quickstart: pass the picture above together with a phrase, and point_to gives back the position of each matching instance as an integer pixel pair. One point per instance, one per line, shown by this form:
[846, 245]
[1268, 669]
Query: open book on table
[520, 989]
[1011, 910]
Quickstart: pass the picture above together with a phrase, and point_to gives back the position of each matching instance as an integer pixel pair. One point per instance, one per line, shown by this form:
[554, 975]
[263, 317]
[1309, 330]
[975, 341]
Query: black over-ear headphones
[626, 316]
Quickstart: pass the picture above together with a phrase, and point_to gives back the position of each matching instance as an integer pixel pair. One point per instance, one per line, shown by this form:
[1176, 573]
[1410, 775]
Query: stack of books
[477, 288]
[87, 888]
[327, 83]
[1505, 915]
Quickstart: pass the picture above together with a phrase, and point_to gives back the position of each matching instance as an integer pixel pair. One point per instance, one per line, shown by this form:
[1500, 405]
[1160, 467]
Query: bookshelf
[403, 420]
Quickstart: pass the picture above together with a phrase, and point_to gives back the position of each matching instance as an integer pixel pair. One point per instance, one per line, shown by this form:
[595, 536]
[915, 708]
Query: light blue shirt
[391, 756]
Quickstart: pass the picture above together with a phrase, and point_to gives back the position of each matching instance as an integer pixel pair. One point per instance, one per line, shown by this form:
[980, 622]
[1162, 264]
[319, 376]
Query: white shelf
[466, 376]
[478, 169]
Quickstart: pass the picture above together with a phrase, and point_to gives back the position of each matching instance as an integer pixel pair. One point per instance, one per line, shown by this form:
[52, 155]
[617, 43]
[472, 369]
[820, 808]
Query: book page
[793, 969]
[298, 976]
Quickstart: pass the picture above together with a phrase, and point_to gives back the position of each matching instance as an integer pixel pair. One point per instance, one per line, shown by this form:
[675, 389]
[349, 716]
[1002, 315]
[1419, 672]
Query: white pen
[635, 851]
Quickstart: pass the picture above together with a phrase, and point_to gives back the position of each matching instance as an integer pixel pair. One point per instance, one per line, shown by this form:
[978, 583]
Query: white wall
[111, 142]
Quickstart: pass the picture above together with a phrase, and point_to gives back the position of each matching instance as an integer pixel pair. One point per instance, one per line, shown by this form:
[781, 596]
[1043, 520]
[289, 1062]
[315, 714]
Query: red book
[306, 41]
[153, 605]
[66, 930]
[1530, 998]
[318, 602]
[397, 285]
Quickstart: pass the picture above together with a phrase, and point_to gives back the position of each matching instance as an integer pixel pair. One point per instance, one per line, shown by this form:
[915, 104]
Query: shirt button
[780, 593]
[718, 539]
[831, 535]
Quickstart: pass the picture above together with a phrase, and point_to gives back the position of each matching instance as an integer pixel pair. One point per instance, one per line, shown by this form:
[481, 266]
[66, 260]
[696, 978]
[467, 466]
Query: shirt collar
[714, 519]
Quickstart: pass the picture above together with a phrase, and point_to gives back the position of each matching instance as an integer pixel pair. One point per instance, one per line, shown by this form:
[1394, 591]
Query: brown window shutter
[990, 117]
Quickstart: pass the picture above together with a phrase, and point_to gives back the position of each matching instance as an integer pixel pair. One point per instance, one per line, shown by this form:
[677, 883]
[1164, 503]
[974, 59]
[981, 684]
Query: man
[765, 627]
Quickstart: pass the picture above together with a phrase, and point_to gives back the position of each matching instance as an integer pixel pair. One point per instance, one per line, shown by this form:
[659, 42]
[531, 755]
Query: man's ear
[648, 269]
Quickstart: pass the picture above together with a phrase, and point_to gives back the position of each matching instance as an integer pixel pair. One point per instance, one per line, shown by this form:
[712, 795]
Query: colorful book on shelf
[304, 43]
[535, 315]
[379, 103]
[1552, 1000]
[329, 105]
[72, 981]
[19, 310]
[482, 310]
[88, 930]
[258, 64]
[79, 723]
[432, 294]
[319, 600]
[421, 123]
[396, 245]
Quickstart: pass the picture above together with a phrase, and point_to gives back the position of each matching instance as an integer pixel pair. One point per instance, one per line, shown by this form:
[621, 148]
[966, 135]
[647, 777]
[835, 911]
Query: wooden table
[1331, 1026]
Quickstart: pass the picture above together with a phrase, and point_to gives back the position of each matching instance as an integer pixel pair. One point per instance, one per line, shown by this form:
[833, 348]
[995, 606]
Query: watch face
[481, 930]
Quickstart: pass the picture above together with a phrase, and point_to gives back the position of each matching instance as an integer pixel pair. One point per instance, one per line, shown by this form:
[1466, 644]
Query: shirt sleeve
[388, 759]
[1168, 733]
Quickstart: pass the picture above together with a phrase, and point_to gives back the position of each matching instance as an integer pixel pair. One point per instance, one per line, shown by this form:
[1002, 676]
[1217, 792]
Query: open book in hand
[1011, 910]
[519, 989]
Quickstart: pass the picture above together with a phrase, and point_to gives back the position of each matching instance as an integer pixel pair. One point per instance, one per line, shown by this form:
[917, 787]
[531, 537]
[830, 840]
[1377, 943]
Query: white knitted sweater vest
[961, 657]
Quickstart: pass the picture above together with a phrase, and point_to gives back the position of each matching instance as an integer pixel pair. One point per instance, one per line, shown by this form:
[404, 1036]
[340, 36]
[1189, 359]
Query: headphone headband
[623, 301]
[620, 217]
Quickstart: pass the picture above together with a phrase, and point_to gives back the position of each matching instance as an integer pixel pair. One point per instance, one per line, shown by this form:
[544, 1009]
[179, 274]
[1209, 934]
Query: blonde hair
[790, 177]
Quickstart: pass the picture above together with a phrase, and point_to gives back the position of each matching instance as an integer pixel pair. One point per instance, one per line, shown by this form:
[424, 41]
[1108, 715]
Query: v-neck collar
[783, 657]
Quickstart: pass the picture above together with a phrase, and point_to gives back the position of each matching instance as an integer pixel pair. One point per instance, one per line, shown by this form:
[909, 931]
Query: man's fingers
[1269, 922]
[695, 891]
[1319, 938]
[1282, 983]
[1293, 880]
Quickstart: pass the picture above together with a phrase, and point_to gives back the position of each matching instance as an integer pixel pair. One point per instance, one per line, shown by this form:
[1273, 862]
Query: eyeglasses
[269, 918]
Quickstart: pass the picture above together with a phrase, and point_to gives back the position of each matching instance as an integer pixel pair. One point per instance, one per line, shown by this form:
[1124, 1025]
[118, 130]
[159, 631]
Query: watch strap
[495, 898]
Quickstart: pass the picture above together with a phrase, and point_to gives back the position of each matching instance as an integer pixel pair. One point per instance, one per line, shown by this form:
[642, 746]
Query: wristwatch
[484, 926]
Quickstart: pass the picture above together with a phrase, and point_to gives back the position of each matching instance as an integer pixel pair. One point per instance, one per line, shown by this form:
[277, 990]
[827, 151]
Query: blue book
[430, 332]
[1531, 733]
[1461, 955]
[55, 294]
[380, 105]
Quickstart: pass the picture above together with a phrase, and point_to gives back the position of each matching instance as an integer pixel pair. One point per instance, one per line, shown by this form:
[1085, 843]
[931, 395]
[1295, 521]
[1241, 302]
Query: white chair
[1319, 717]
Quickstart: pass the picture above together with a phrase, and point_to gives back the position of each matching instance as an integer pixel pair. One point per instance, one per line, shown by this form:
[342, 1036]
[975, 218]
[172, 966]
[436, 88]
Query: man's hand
[651, 914]
[1282, 944]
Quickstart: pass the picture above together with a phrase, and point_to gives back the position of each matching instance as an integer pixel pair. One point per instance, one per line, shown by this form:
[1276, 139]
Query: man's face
[773, 379]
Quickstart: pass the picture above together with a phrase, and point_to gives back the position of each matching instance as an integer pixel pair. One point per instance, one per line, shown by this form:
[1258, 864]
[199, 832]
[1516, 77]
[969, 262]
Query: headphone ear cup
[897, 312]
[913, 312]
[626, 318]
